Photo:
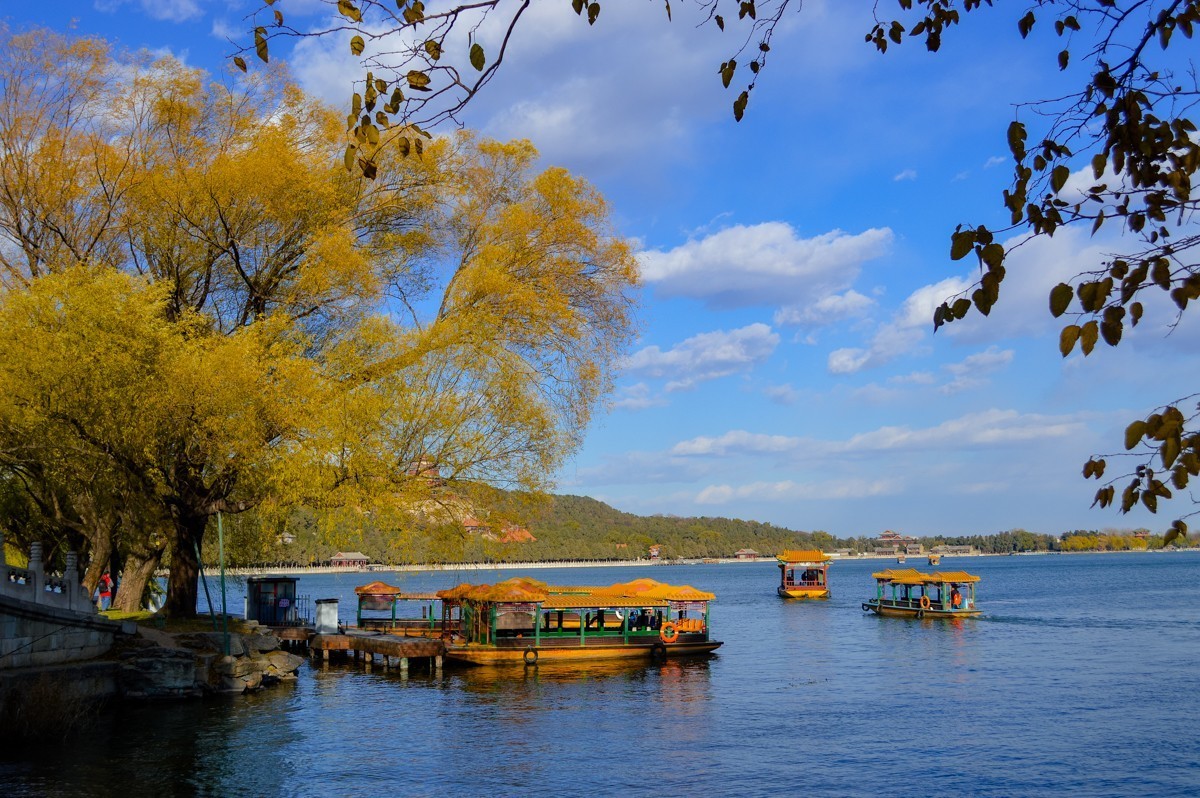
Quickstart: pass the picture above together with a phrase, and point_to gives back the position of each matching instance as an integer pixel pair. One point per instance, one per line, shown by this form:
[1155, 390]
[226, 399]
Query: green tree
[295, 336]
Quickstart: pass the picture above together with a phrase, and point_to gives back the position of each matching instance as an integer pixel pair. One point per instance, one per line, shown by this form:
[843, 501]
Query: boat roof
[638, 593]
[802, 555]
[911, 576]
[562, 602]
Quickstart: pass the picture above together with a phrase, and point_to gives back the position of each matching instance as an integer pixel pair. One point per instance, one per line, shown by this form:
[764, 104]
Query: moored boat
[803, 574]
[526, 621]
[909, 593]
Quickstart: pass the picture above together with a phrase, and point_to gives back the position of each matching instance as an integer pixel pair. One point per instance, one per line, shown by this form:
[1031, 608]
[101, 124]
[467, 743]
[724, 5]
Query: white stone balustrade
[61, 591]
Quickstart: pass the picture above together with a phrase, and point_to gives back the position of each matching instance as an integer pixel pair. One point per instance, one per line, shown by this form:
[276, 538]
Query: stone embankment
[57, 654]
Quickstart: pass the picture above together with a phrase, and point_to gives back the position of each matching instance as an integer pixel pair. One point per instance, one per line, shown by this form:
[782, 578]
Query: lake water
[1080, 678]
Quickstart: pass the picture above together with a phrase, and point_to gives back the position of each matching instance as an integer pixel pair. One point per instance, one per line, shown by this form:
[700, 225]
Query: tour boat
[909, 593]
[935, 559]
[526, 621]
[803, 574]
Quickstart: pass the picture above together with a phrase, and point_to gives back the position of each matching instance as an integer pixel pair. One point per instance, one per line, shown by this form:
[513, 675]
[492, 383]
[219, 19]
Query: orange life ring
[924, 602]
[669, 632]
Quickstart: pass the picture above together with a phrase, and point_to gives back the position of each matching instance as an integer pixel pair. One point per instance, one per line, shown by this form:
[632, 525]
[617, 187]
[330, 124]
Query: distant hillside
[578, 527]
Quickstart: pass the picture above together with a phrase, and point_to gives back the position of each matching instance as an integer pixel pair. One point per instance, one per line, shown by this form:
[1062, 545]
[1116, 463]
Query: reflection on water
[1066, 685]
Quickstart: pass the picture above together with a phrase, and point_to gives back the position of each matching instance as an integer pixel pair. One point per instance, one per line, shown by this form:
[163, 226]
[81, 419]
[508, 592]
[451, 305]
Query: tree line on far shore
[581, 528]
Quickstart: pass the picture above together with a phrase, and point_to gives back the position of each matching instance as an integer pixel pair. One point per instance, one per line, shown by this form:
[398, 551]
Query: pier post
[437, 663]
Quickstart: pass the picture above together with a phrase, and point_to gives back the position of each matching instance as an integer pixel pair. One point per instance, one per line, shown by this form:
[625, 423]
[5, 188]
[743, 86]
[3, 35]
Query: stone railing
[60, 591]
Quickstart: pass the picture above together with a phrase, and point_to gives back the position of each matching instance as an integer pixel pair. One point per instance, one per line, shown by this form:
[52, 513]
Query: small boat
[900, 560]
[526, 621]
[803, 574]
[935, 559]
[909, 593]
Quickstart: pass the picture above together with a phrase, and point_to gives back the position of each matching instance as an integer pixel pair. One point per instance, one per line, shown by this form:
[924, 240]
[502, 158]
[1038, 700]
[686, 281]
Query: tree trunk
[184, 581]
[138, 571]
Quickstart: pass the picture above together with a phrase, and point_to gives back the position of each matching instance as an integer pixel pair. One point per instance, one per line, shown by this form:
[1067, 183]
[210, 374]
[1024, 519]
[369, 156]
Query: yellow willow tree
[466, 310]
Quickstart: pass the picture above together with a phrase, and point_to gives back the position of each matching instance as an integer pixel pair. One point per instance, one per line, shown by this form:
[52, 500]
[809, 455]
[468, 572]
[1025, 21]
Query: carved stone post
[35, 568]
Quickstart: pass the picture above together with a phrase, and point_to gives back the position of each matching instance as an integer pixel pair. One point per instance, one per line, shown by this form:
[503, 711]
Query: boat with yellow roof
[908, 593]
[803, 574]
[526, 621]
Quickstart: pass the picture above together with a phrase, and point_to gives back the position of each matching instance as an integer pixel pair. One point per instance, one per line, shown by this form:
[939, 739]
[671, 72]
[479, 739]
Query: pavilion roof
[377, 588]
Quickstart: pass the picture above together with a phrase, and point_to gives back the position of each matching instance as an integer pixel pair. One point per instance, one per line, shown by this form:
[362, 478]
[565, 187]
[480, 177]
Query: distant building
[944, 549]
[746, 554]
[914, 548]
[426, 468]
[350, 559]
[890, 538]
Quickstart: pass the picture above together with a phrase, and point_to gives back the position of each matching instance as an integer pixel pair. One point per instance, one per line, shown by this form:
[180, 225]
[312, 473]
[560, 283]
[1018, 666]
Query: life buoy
[669, 632]
[531, 655]
[924, 602]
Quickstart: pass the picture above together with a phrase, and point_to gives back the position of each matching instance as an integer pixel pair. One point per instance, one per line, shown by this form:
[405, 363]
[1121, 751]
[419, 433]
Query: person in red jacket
[106, 588]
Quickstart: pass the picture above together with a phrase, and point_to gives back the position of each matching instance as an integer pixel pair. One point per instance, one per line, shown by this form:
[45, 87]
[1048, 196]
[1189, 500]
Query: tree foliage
[209, 314]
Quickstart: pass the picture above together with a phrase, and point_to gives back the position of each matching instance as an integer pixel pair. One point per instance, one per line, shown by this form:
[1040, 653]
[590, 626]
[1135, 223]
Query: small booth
[272, 601]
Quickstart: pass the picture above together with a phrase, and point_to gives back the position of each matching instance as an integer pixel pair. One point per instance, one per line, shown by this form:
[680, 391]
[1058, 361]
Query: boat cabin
[910, 593]
[803, 574]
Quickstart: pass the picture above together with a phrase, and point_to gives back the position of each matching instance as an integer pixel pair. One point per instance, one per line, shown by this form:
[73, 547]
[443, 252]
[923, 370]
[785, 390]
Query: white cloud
[704, 357]
[970, 372]
[637, 397]
[906, 174]
[827, 310]
[986, 428]
[165, 10]
[788, 490]
[763, 265]
[995, 160]
[983, 362]
[782, 394]
[736, 442]
[973, 430]
[899, 336]
[913, 378]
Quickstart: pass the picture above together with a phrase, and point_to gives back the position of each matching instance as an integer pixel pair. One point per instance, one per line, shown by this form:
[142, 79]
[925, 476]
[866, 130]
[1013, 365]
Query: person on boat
[955, 597]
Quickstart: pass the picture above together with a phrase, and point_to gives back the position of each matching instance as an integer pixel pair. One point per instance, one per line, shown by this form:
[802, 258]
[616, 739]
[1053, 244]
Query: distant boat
[803, 574]
[900, 559]
[909, 593]
[935, 559]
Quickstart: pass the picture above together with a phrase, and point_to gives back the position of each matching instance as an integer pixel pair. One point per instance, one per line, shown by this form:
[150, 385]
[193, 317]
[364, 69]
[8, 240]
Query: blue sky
[787, 369]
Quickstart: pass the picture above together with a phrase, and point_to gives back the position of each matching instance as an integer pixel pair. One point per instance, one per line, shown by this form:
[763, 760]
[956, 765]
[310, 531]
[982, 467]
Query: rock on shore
[158, 664]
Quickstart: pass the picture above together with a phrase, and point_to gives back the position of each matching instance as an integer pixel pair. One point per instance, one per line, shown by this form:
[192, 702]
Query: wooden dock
[391, 650]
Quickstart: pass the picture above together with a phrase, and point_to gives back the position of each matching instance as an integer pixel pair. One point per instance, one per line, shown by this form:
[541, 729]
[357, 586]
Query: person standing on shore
[106, 588]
